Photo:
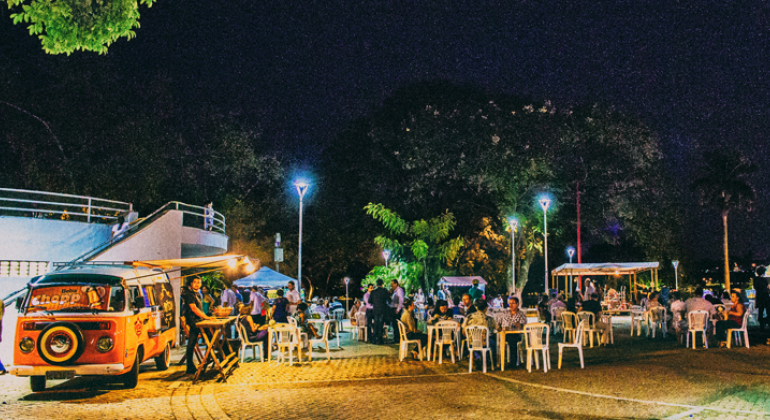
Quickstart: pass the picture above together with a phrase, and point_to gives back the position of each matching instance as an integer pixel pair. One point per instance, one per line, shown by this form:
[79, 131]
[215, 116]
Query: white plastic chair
[478, 340]
[607, 320]
[245, 343]
[568, 324]
[697, 323]
[578, 344]
[403, 347]
[459, 318]
[678, 330]
[324, 338]
[361, 327]
[533, 337]
[286, 339]
[637, 318]
[556, 318]
[445, 331]
[737, 332]
[589, 329]
[658, 319]
[338, 315]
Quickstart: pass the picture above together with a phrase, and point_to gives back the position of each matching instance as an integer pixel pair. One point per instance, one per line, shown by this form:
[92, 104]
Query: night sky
[696, 71]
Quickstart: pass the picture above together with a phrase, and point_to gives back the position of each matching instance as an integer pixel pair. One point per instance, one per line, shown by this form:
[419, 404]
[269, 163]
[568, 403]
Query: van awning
[218, 261]
[462, 281]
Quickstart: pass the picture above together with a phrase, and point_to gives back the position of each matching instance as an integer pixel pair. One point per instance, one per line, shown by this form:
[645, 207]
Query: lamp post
[571, 253]
[347, 298]
[676, 273]
[545, 203]
[386, 255]
[513, 223]
[301, 190]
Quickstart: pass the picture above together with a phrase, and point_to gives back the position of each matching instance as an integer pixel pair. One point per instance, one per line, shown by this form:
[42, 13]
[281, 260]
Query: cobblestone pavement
[636, 378]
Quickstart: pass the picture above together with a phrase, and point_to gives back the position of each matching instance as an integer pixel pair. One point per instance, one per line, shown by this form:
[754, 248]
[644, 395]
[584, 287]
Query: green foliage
[724, 183]
[66, 26]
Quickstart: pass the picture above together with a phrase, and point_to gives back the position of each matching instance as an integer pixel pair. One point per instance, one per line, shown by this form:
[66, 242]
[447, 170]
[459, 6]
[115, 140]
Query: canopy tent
[606, 269]
[264, 277]
[462, 281]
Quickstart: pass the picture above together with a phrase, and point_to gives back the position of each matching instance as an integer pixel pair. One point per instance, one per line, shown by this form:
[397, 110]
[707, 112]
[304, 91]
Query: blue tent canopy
[264, 277]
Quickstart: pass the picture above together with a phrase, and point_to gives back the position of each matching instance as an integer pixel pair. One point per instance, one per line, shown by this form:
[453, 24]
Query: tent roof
[603, 269]
[264, 277]
[462, 281]
[218, 261]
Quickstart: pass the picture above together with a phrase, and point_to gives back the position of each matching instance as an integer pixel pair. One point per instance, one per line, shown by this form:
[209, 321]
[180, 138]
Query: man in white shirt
[697, 303]
[294, 298]
[257, 299]
[229, 299]
[396, 305]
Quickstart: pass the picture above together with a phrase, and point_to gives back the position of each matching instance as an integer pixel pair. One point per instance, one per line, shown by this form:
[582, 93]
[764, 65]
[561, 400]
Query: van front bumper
[80, 370]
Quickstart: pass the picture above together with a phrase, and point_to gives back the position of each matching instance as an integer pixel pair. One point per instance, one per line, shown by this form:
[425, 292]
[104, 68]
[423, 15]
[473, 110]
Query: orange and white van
[94, 319]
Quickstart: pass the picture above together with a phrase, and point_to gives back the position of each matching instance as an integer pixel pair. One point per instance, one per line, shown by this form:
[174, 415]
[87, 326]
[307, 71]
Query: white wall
[160, 240]
[30, 239]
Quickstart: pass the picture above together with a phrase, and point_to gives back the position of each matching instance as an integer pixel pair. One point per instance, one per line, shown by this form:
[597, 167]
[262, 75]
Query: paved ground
[636, 378]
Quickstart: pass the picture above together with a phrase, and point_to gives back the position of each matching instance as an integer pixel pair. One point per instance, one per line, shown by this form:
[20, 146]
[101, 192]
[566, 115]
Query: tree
[66, 26]
[724, 185]
[426, 240]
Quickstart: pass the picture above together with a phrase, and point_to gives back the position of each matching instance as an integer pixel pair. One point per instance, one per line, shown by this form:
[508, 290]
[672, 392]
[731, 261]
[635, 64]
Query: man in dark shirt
[192, 309]
[379, 299]
[594, 306]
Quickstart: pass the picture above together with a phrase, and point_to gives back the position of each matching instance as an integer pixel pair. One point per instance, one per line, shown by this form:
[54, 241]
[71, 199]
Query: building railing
[193, 216]
[48, 205]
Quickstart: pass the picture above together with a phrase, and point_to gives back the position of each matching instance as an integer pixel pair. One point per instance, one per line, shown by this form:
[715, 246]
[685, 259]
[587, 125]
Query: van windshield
[76, 294]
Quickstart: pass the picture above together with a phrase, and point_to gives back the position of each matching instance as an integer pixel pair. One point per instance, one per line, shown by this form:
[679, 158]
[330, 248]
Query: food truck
[94, 319]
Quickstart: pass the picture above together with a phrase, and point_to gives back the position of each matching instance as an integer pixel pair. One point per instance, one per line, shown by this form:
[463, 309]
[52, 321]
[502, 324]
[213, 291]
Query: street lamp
[513, 223]
[571, 253]
[347, 298]
[676, 273]
[301, 190]
[386, 255]
[545, 203]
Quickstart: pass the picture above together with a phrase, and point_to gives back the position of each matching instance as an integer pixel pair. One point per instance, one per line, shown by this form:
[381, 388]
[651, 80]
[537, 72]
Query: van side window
[134, 294]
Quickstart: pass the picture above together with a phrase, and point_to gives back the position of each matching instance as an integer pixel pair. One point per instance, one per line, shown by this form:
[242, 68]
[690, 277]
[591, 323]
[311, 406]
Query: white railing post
[89, 210]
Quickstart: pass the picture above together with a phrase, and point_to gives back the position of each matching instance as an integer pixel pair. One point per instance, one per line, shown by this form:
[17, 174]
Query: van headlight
[104, 344]
[27, 345]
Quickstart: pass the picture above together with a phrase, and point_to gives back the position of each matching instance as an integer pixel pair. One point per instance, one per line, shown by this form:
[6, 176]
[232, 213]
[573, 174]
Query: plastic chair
[361, 326]
[678, 330]
[338, 315]
[556, 318]
[478, 340]
[533, 337]
[697, 323]
[637, 317]
[459, 318]
[245, 343]
[658, 319]
[737, 332]
[285, 337]
[607, 320]
[403, 347]
[324, 338]
[568, 323]
[578, 344]
[589, 329]
[445, 331]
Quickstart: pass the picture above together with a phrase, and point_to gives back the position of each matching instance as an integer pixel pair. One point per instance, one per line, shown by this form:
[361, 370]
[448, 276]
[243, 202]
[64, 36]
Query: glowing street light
[347, 298]
[676, 273]
[513, 223]
[301, 190]
[386, 255]
[545, 203]
[571, 253]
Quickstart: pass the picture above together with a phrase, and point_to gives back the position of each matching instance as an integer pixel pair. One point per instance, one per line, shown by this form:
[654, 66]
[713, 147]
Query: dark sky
[696, 71]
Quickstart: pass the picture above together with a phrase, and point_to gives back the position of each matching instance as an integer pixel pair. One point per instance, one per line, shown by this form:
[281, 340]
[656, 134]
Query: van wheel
[131, 378]
[37, 383]
[163, 361]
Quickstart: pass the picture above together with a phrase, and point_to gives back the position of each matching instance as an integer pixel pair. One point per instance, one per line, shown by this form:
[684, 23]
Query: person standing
[397, 306]
[293, 297]
[378, 298]
[208, 301]
[474, 292]
[590, 289]
[257, 302]
[230, 298]
[762, 298]
[193, 314]
[368, 309]
[2, 312]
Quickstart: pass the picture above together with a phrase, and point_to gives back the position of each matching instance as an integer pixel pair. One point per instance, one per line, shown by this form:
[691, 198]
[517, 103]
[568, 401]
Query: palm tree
[724, 185]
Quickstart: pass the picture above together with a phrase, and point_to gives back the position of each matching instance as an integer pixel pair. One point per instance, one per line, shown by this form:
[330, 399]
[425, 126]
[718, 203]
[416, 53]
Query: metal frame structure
[607, 269]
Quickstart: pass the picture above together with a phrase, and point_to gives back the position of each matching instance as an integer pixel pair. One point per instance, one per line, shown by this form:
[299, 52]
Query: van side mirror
[19, 302]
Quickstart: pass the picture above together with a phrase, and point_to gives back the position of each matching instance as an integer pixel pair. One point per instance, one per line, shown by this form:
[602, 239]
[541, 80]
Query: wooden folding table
[219, 353]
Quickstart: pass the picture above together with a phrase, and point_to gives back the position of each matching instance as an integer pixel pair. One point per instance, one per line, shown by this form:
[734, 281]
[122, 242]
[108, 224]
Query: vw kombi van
[94, 319]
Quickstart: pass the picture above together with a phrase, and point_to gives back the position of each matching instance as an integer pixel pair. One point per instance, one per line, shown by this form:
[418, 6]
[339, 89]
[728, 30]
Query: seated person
[698, 303]
[304, 326]
[442, 313]
[322, 308]
[480, 318]
[456, 310]
[733, 318]
[353, 311]
[594, 306]
[572, 304]
[255, 333]
[514, 320]
[542, 309]
[280, 305]
[678, 306]
[412, 333]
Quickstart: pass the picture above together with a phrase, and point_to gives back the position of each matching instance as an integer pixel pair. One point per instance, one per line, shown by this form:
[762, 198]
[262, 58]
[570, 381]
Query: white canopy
[603, 269]
[462, 281]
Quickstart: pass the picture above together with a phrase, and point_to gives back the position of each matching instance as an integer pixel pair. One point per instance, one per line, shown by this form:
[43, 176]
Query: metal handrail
[60, 207]
[139, 224]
